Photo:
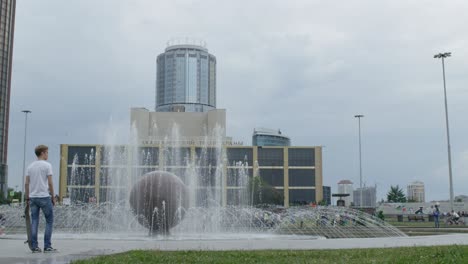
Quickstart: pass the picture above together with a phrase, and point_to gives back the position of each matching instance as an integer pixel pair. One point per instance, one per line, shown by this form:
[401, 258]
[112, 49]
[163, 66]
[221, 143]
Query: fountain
[178, 193]
[160, 199]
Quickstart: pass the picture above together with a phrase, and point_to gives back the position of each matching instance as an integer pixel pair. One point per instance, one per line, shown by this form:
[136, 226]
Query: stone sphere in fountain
[159, 200]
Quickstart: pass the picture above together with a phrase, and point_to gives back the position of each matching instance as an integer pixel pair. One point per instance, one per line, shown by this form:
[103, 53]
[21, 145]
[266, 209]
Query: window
[81, 176]
[270, 156]
[301, 156]
[149, 156]
[176, 156]
[301, 177]
[299, 197]
[81, 155]
[240, 154]
[207, 156]
[114, 155]
[274, 177]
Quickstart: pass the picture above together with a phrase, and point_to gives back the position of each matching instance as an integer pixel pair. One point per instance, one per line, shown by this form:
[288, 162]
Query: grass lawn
[439, 254]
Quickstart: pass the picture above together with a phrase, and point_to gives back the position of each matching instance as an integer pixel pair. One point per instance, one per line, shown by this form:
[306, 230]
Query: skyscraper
[7, 25]
[185, 79]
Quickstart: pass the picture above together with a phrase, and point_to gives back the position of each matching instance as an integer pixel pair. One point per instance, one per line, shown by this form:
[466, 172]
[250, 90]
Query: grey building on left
[7, 25]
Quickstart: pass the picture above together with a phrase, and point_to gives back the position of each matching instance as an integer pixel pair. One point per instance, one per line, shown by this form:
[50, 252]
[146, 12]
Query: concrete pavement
[13, 249]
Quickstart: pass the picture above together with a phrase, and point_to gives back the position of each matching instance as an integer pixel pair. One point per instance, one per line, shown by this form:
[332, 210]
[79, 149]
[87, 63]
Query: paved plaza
[13, 250]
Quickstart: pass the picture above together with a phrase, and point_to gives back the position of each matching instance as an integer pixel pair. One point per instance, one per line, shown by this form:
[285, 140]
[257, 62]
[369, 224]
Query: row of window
[208, 176]
[85, 195]
[150, 155]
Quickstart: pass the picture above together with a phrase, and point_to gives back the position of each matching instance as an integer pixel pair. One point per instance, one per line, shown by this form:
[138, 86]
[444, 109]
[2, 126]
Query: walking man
[39, 192]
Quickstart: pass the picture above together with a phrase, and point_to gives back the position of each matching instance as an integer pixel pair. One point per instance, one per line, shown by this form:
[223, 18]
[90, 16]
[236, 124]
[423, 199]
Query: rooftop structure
[269, 137]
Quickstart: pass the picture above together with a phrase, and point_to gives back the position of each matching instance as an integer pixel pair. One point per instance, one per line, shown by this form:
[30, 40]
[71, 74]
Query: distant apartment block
[369, 197]
[416, 192]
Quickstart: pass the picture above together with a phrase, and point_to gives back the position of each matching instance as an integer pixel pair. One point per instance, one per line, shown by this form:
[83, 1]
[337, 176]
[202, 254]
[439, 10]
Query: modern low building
[269, 137]
[186, 79]
[369, 197]
[346, 187]
[7, 28]
[100, 173]
[415, 192]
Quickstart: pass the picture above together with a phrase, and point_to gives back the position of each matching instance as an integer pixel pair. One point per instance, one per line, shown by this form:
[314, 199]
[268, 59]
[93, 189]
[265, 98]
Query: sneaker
[36, 250]
[50, 250]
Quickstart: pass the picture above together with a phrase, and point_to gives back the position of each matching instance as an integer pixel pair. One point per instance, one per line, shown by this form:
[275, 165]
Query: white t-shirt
[38, 183]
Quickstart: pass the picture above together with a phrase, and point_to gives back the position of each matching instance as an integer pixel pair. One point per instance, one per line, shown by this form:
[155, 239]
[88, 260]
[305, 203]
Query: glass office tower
[185, 79]
[269, 137]
[7, 25]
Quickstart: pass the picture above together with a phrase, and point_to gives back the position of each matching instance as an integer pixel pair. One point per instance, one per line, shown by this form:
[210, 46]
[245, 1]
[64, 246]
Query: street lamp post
[360, 161]
[443, 56]
[26, 112]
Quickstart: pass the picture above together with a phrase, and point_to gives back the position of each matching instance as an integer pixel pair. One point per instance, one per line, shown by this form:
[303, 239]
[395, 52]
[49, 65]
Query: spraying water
[135, 202]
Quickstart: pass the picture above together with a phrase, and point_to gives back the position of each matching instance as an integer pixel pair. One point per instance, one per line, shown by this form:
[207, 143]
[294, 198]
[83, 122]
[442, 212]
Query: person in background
[455, 217]
[436, 214]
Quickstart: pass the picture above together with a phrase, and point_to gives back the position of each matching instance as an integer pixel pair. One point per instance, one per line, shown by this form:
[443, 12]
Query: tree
[263, 193]
[323, 203]
[381, 215]
[396, 195]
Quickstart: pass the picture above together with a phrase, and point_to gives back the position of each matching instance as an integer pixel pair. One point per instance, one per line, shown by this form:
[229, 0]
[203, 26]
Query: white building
[346, 187]
[416, 192]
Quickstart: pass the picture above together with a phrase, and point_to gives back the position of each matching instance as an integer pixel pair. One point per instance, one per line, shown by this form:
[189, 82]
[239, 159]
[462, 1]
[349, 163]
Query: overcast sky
[306, 67]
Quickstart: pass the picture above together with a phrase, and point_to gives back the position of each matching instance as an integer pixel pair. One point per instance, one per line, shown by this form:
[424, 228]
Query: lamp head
[443, 55]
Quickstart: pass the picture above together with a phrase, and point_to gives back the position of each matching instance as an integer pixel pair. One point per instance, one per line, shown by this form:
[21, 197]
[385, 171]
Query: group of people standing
[451, 218]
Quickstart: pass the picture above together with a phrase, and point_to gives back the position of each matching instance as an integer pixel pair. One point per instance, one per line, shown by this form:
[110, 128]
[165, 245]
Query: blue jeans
[436, 221]
[45, 204]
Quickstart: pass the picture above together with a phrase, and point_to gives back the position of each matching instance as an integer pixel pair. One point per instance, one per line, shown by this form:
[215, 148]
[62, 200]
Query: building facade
[95, 172]
[151, 127]
[185, 79]
[346, 187]
[327, 195]
[7, 26]
[369, 197]
[269, 137]
[415, 192]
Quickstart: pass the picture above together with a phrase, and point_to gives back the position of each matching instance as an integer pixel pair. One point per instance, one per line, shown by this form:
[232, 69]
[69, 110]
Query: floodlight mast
[444, 56]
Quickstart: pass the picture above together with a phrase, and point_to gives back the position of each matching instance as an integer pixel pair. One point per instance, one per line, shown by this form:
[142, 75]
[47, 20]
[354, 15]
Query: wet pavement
[13, 249]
